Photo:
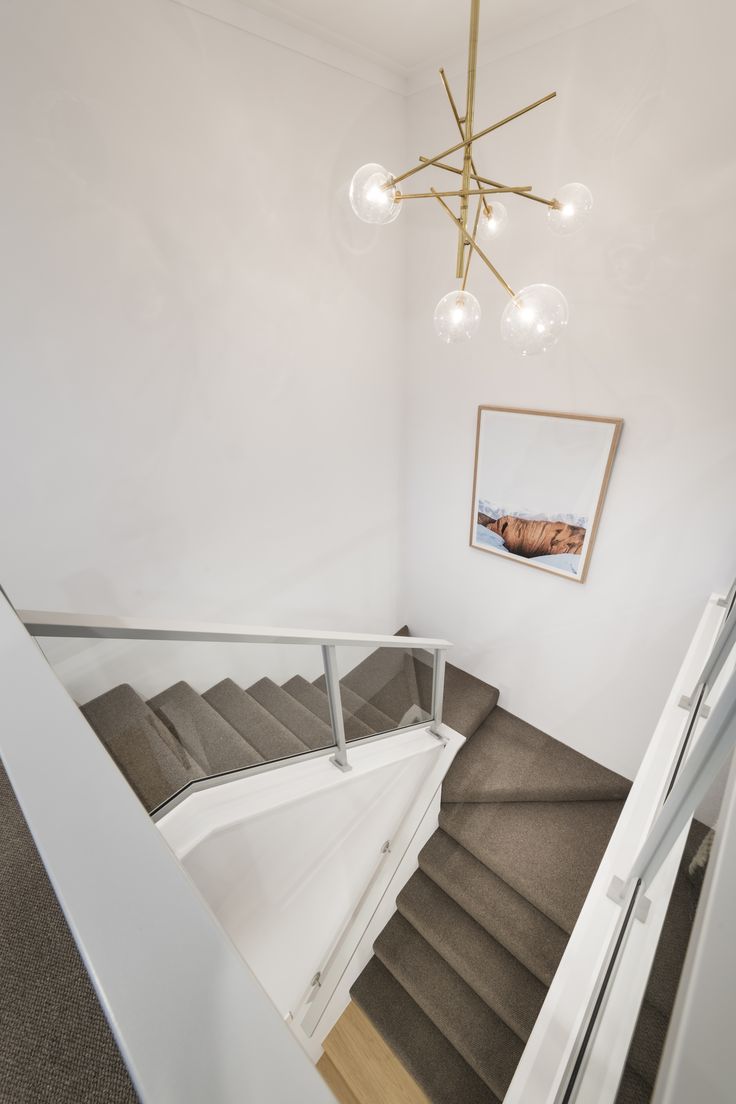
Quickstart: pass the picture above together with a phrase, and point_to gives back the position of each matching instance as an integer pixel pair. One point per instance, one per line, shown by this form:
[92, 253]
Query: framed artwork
[539, 484]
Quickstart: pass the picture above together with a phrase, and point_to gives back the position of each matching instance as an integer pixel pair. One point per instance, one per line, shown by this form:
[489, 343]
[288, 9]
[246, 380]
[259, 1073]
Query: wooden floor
[361, 1068]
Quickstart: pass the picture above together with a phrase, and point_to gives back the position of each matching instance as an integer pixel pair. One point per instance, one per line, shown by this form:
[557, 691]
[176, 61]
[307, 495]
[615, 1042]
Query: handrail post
[438, 690]
[329, 657]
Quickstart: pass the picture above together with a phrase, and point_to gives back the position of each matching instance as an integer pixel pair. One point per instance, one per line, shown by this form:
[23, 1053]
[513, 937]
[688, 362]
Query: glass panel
[384, 689]
[650, 1033]
[171, 713]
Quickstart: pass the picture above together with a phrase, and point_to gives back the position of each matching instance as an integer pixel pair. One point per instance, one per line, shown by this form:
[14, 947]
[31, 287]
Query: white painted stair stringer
[293, 864]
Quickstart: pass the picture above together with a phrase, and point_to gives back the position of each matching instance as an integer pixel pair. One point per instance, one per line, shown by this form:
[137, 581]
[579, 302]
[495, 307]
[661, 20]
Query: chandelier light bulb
[492, 224]
[535, 319]
[370, 200]
[457, 317]
[574, 204]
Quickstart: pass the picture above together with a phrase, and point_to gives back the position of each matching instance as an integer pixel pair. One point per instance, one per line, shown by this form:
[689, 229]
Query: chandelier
[534, 317]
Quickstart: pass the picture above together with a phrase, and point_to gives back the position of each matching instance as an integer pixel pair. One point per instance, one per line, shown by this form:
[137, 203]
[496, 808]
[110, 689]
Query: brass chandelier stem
[479, 208]
[459, 121]
[474, 245]
[468, 129]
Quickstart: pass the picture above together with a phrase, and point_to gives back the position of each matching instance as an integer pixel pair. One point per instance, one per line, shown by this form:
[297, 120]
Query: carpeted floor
[55, 1044]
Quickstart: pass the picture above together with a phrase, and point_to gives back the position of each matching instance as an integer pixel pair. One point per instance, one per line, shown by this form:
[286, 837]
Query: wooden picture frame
[539, 483]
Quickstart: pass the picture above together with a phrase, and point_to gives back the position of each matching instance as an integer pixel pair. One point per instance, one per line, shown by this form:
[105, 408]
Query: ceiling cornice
[330, 50]
[513, 42]
[311, 40]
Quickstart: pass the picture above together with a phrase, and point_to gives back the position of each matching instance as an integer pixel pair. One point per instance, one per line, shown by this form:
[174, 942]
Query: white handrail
[45, 623]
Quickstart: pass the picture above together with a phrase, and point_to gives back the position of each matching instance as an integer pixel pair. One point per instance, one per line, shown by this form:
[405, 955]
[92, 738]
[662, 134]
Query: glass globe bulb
[574, 204]
[371, 201]
[491, 225]
[535, 319]
[457, 317]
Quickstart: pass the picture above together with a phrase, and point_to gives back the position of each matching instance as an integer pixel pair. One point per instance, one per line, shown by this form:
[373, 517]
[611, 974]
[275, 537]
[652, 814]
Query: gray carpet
[148, 754]
[179, 736]
[55, 1044]
[462, 968]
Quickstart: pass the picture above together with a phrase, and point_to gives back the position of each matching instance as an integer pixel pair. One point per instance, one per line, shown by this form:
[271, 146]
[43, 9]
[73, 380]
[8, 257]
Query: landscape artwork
[539, 484]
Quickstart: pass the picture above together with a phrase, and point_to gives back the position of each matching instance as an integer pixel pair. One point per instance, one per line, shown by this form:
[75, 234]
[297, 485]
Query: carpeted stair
[179, 736]
[461, 970]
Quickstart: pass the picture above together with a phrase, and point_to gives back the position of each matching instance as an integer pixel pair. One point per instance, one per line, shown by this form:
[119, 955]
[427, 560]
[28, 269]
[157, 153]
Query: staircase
[461, 970]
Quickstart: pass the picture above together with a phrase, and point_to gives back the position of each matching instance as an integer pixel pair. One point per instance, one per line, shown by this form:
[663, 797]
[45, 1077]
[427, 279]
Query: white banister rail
[45, 623]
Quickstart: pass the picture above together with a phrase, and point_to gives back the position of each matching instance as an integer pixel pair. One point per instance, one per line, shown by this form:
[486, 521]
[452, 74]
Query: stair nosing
[493, 1006]
[565, 935]
[467, 1058]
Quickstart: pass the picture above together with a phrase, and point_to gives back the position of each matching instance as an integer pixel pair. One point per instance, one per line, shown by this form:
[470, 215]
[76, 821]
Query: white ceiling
[406, 35]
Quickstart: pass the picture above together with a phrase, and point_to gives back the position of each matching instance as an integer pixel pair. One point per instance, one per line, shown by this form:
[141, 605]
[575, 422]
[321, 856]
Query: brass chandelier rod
[470, 192]
[467, 141]
[474, 245]
[524, 192]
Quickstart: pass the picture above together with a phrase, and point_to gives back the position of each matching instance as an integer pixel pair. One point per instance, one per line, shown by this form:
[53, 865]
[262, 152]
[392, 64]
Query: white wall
[203, 361]
[644, 117]
[201, 347]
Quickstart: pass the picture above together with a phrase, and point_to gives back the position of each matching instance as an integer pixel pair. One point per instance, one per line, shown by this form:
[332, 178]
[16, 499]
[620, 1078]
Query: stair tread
[356, 706]
[262, 731]
[387, 680]
[291, 713]
[467, 700]
[400, 698]
[528, 934]
[313, 698]
[499, 979]
[148, 754]
[510, 760]
[535, 847]
[427, 1054]
[206, 735]
[486, 1043]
